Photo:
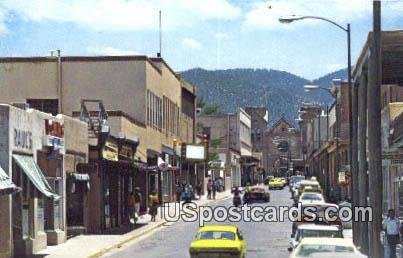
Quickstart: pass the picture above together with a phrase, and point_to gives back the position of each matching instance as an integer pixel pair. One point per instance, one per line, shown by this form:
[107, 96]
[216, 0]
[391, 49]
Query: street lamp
[353, 159]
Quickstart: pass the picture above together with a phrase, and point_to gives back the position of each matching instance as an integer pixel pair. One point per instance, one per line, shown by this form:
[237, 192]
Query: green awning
[35, 175]
[6, 185]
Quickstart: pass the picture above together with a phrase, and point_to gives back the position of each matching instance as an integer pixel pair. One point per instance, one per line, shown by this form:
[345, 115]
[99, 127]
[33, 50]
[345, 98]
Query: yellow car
[276, 183]
[218, 241]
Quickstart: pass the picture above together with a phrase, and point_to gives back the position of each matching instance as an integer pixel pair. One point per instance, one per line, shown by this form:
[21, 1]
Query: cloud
[3, 16]
[261, 16]
[221, 35]
[110, 51]
[191, 43]
[123, 15]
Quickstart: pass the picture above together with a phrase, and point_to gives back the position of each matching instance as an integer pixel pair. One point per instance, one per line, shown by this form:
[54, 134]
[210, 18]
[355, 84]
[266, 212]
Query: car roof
[309, 182]
[218, 228]
[318, 227]
[327, 241]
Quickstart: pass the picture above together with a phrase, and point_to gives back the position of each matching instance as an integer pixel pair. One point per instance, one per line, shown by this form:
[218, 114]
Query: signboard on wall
[110, 151]
[195, 152]
[127, 151]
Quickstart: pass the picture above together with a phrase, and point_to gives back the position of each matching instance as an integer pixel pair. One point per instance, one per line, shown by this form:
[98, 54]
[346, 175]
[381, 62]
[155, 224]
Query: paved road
[264, 239]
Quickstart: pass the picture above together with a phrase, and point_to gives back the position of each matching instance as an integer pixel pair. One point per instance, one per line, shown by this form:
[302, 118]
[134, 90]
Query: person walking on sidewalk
[137, 202]
[214, 188]
[391, 225]
[178, 191]
[209, 188]
[153, 203]
[130, 208]
[199, 187]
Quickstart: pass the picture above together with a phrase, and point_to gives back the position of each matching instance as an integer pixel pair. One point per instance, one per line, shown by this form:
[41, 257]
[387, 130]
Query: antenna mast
[160, 32]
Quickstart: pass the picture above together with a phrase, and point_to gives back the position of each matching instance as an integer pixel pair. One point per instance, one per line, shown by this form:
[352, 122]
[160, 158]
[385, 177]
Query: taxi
[218, 241]
[276, 183]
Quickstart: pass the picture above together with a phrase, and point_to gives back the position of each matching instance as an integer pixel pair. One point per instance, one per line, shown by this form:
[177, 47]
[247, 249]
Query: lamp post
[353, 118]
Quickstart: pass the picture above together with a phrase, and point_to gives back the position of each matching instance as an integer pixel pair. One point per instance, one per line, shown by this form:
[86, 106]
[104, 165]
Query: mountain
[281, 92]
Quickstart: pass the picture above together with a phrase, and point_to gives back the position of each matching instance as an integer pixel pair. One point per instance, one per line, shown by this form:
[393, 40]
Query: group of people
[134, 201]
[185, 191]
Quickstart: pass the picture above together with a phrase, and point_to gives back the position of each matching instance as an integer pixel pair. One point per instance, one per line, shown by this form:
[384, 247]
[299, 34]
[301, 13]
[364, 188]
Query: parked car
[310, 246]
[312, 230]
[310, 197]
[218, 241]
[257, 193]
[318, 217]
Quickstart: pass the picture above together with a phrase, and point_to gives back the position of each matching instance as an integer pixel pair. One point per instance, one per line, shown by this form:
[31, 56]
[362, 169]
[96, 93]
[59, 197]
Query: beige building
[145, 98]
[232, 132]
[37, 153]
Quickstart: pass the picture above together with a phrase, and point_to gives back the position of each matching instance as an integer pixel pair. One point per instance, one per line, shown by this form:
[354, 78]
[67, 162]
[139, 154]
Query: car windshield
[321, 233]
[216, 235]
[297, 179]
[307, 250]
[311, 196]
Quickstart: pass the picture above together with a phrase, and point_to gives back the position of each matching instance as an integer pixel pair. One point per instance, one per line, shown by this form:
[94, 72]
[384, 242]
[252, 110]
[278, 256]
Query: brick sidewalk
[97, 245]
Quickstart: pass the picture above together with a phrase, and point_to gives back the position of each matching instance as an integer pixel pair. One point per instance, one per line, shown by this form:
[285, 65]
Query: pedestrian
[153, 205]
[209, 188]
[214, 188]
[137, 202]
[391, 225]
[199, 189]
[130, 207]
[178, 190]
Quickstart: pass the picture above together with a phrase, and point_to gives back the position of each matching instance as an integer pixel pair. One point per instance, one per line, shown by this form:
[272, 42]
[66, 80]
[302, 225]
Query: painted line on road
[149, 230]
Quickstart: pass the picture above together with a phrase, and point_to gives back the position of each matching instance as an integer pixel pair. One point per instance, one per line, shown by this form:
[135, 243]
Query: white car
[311, 246]
[310, 197]
[313, 230]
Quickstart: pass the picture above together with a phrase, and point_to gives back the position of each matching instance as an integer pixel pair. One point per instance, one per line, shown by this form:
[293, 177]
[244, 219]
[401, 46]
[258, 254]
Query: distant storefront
[112, 171]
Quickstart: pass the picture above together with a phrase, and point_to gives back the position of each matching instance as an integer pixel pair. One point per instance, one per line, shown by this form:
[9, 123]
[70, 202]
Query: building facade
[35, 155]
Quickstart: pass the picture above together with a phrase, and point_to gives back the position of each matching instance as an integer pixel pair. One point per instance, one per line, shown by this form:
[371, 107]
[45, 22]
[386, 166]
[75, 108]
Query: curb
[131, 238]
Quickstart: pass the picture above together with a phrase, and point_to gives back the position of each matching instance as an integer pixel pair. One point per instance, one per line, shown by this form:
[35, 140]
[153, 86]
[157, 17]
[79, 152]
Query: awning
[6, 185]
[35, 175]
[80, 177]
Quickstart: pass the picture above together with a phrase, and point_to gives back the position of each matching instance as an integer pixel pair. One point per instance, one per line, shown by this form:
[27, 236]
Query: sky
[210, 34]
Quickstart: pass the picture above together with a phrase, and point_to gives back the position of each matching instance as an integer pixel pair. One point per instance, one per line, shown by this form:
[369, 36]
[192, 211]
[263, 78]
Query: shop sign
[342, 177]
[127, 151]
[110, 151]
[22, 139]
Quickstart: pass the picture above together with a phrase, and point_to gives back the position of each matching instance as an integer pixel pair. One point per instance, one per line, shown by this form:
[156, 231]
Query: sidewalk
[98, 245]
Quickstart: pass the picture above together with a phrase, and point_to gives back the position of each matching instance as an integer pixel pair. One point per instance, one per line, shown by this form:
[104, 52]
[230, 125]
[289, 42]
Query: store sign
[54, 135]
[22, 139]
[54, 128]
[342, 177]
[110, 151]
[127, 151]
[195, 152]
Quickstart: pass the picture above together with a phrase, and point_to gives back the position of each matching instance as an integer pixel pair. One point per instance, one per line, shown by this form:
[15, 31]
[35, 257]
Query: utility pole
[363, 175]
[353, 92]
[374, 133]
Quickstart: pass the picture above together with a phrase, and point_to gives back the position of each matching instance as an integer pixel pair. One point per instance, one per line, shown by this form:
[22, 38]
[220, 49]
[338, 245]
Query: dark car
[256, 193]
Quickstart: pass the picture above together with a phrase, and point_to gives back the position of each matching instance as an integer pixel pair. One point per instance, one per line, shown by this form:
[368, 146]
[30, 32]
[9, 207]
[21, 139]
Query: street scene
[194, 129]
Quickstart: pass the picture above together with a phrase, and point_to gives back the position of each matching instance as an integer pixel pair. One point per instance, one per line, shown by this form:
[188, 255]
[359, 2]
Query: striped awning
[6, 185]
[35, 175]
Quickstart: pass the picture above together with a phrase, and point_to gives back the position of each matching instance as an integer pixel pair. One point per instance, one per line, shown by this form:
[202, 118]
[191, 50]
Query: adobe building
[233, 133]
[145, 90]
[278, 161]
[33, 156]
